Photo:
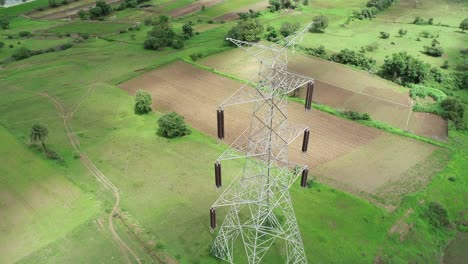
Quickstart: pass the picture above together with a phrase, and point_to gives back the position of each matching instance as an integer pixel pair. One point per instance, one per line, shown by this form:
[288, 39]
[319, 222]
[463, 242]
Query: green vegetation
[246, 30]
[464, 25]
[358, 59]
[172, 125]
[320, 24]
[162, 35]
[70, 221]
[143, 102]
[39, 134]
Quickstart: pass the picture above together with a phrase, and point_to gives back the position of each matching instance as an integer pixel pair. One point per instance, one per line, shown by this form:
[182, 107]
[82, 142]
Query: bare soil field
[193, 7]
[233, 15]
[66, 11]
[196, 94]
[354, 90]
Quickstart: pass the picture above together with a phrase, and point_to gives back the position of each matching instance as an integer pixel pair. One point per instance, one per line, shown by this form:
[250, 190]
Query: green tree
[451, 104]
[54, 3]
[39, 134]
[320, 24]
[4, 22]
[384, 35]
[288, 28]
[162, 35]
[402, 32]
[143, 102]
[2, 2]
[22, 53]
[172, 125]
[404, 69]
[464, 25]
[1, 44]
[188, 30]
[246, 30]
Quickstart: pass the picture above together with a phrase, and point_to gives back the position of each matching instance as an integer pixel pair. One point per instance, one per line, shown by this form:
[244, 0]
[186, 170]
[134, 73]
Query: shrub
[317, 52]
[272, 36]
[451, 104]
[250, 14]
[320, 24]
[143, 102]
[188, 30]
[84, 35]
[380, 4]
[172, 125]
[24, 34]
[288, 28]
[445, 65]
[402, 32]
[196, 56]
[1, 44]
[464, 25]
[54, 3]
[437, 215]
[4, 22]
[425, 34]
[352, 115]
[372, 47]
[434, 51]
[384, 35]
[350, 57]
[162, 35]
[22, 53]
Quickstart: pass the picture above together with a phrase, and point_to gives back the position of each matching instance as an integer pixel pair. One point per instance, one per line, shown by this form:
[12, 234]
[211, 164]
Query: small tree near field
[172, 125]
[188, 30]
[320, 24]
[246, 30]
[4, 22]
[39, 134]
[143, 102]
[384, 35]
[402, 32]
[2, 2]
[464, 25]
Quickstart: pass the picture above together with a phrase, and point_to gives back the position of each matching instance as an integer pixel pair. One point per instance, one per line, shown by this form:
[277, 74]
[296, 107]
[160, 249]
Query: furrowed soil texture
[195, 94]
[343, 88]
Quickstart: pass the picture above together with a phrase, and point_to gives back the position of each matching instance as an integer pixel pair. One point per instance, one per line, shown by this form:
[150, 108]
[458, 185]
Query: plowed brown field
[343, 88]
[196, 94]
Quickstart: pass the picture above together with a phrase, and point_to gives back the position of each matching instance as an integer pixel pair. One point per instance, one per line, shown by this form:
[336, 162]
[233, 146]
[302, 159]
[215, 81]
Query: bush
[288, 28]
[425, 34]
[317, 52]
[464, 25]
[402, 32]
[172, 125]
[380, 4]
[272, 36]
[246, 30]
[384, 35]
[196, 56]
[250, 14]
[437, 215]
[143, 102]
[4, 22]
[24, 34]
[1, 44]
[320, 24]
[352, 115]
[162, 35]
[434, 51]
[350, 57]
[54, 3]
[22, 53]
[372, 47]
[84, 35]
[188, 30]
[451, 104]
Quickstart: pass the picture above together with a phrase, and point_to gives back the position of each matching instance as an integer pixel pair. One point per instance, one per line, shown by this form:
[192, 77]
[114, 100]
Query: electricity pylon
[260, 207]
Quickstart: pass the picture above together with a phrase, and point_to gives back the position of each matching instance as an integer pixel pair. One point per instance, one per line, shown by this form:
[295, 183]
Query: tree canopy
[320, 23]
[143, 102]
[464, 25]
[39, 134]
[246, 30]
[162, 35]
[172, 125]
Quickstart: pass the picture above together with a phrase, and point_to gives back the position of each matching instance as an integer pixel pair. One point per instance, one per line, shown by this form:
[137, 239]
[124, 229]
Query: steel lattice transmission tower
[260, 207]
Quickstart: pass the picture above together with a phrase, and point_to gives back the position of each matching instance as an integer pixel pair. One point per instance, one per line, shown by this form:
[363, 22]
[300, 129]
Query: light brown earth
[344, 88]
[67, 11]
[193, 7]
[351, 156]
[233, 15]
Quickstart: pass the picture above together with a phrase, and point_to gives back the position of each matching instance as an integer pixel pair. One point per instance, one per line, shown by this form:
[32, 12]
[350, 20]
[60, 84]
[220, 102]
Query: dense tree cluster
[276, 5]
[163, 35]
[380, 4]
[246, 30]
[172, 125]
[101, 9]
[317, 52]
[404, 69]
[354, 58]
[373, 7]
[250, 14]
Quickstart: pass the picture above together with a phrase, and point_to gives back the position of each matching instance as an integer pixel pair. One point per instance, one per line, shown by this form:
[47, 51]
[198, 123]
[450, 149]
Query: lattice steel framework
[260, 207]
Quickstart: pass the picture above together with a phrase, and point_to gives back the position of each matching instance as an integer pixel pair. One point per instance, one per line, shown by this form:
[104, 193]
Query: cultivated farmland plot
[335, 143]
[345, 89]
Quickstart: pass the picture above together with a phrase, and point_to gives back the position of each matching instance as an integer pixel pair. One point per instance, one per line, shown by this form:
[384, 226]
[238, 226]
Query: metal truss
[260, 207]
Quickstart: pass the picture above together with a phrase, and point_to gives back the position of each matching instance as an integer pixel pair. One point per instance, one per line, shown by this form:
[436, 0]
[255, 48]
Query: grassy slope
[38, 204]
[106, 127]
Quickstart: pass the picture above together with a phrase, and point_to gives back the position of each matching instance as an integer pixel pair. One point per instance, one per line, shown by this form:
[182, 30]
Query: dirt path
[75, 143]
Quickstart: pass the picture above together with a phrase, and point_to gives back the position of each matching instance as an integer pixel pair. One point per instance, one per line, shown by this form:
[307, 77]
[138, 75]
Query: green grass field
[57, 212]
